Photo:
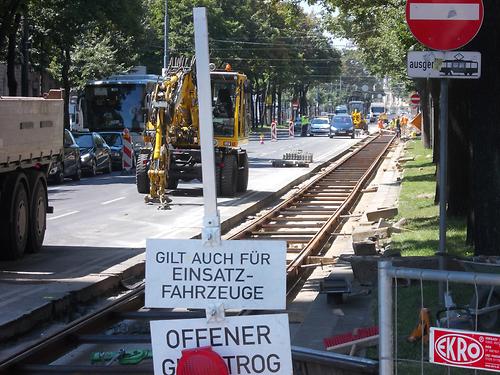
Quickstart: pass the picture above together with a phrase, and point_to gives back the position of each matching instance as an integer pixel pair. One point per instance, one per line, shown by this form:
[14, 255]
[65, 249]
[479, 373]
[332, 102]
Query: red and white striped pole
[274, 131]
[291, 129]
[127, 151]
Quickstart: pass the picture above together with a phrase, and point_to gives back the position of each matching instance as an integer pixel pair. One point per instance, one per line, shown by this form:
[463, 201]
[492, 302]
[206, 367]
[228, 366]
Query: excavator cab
[230, 104]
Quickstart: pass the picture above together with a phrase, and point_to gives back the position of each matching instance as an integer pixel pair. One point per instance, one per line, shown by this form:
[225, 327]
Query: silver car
[319, 125]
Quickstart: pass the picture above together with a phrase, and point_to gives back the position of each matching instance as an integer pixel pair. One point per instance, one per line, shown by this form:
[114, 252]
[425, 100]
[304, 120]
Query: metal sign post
[444, 25]
[443, 173]
[211, 220]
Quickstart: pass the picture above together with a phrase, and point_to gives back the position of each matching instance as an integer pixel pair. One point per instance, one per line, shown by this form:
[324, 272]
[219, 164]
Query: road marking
[63, 215]
[112, 200]
[454, 12]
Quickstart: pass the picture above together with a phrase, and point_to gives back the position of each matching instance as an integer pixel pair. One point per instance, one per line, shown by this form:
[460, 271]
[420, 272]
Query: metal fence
[481, 313]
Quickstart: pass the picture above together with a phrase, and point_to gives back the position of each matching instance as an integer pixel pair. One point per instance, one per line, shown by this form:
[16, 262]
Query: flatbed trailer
[31, 138]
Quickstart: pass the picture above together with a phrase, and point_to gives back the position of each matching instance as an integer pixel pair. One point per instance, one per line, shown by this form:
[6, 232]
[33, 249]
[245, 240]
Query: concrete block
[364, 248]
[385, 213]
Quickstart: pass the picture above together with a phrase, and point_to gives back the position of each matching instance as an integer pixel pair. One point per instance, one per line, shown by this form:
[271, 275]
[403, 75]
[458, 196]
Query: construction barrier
[274, 131]
[291, 129]
[127, 151]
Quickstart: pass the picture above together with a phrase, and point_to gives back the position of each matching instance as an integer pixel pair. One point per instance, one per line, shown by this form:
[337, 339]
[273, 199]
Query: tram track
[306, 220]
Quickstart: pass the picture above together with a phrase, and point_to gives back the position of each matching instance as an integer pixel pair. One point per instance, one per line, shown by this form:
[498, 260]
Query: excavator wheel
[141, 174]
[229, 176]
[243, 174]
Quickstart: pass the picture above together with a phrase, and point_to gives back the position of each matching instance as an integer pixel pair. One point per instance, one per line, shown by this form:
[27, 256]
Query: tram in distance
[454, 67]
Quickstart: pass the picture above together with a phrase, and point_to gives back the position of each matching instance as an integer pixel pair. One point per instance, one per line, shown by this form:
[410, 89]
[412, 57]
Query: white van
[376, 109]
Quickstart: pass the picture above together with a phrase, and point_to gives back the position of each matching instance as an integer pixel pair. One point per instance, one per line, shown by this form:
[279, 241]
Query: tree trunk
[261, 107]
[426, 104]
[435, 90]
[458, 150]
[273, 103]
[66, 63]
[11, 57]
[25, 61]
[280, 114]
[256, 103]
[252, 109]
[8, 14]
[485, 135]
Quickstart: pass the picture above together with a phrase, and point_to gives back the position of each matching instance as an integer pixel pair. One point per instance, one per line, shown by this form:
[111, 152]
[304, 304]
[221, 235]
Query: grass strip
[420, 236]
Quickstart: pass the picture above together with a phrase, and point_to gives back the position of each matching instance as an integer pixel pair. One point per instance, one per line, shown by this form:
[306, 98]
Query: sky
[316, 9]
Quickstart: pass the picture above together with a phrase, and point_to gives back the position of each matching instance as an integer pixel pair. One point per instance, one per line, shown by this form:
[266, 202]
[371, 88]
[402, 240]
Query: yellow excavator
[172, 135]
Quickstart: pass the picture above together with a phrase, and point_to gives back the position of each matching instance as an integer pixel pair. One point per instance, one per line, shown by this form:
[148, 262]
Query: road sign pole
[211, 221]
[443, 172]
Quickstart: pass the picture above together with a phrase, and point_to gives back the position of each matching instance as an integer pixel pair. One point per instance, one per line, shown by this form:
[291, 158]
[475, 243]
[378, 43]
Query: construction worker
[380, 125]
[404, 122]
[305, 125]
[398, 127]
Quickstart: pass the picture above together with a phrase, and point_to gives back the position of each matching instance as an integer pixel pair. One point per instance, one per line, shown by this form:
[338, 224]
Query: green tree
[61, 26]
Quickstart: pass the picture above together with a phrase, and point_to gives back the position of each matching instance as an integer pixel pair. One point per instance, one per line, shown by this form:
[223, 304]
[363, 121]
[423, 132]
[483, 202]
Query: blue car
[342, 125]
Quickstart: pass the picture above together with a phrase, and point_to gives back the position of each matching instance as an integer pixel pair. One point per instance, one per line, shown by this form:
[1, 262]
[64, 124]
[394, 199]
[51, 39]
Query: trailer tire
[141, 174]
[38, 214]
[229, 176]
[243, 174]
[14, 217]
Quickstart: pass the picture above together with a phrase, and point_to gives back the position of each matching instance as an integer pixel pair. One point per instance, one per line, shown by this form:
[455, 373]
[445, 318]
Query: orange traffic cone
[261, 137]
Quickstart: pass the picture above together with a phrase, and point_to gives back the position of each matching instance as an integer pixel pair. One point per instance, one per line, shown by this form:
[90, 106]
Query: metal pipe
[333, 360]
[386, 364]
[439, 275]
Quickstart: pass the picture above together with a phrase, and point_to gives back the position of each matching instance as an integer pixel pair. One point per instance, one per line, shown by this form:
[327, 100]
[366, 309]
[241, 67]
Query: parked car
[115, 142]
[95, 154]
[319, 125]
[342, 125]
[68, 164]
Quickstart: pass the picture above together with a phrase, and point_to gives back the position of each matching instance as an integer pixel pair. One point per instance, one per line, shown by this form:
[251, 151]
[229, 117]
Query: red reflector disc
[201, 361]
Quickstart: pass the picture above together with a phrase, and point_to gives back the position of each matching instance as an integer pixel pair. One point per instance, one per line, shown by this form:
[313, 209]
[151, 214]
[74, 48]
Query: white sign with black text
[444, 64]
[258, 344]
[238, 274]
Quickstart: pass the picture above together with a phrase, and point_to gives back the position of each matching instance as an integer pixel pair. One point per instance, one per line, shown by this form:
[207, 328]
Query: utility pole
[165, 40]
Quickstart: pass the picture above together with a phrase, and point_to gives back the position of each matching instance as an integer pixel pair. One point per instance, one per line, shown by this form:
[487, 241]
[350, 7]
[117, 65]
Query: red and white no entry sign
[415, 99]
[444, 24]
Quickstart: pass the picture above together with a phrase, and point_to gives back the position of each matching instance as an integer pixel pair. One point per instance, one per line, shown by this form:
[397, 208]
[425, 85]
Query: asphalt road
[107, 211]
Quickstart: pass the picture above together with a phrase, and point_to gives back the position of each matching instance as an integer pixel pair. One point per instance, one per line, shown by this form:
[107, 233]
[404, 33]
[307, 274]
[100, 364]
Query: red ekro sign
[457, 348]
[444, 24]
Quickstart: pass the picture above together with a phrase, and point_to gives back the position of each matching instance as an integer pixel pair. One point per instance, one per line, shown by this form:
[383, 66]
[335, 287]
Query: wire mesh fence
[439, 322]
